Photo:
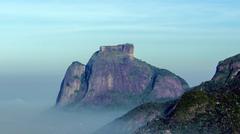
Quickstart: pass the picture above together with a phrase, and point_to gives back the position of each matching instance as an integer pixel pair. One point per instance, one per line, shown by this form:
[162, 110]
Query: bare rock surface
[227, 69]
[114, 77]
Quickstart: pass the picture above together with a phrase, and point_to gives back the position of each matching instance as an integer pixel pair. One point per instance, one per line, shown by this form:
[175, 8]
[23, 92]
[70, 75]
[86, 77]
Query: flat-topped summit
[114, 77]
[122, 48]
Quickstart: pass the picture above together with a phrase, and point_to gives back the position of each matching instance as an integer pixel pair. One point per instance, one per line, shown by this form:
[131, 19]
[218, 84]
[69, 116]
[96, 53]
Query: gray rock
[114, 77]
[71, 84]
[227, 69]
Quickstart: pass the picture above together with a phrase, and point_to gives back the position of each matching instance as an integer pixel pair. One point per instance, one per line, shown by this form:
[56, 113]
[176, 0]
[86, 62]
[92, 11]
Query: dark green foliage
[192, 104]
[209, 108]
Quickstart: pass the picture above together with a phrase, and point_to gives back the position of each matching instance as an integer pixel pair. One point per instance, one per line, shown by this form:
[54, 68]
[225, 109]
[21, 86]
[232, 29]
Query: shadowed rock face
[114, 77]
[227, 69]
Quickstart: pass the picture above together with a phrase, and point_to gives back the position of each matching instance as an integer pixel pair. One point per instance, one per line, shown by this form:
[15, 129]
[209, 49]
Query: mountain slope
[212, 107]
[136, 118]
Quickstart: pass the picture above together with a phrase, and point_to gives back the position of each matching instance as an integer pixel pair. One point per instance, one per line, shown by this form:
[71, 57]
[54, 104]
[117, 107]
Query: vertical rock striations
[71, 84]
[114, 77]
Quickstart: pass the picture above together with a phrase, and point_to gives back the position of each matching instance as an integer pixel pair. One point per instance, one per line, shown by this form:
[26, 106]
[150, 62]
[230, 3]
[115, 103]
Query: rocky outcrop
[227, 69]
[114, 77]
[71, 84]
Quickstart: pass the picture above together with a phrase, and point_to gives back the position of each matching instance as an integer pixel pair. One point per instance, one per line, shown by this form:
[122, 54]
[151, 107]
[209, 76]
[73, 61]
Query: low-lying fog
[26, 103]
[18, 117]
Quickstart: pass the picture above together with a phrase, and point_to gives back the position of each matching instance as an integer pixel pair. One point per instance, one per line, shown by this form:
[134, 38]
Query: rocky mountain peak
[114, 77]
[227, 69]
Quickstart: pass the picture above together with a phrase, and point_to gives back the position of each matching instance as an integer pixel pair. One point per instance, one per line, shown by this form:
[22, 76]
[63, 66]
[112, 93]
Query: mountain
[212, 107]
[114, 77]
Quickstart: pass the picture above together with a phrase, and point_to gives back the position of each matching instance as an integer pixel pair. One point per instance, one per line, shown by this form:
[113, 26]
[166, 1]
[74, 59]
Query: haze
[40, 39]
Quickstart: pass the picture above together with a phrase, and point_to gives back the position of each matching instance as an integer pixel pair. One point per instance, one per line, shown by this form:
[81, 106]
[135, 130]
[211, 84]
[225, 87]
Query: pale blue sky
[40, 38]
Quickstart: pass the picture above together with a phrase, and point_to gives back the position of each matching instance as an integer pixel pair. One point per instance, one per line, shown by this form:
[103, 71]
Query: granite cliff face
[71, 84]
[113, 76]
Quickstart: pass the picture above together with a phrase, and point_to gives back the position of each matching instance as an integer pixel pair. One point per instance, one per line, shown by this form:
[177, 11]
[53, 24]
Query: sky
[40, 38]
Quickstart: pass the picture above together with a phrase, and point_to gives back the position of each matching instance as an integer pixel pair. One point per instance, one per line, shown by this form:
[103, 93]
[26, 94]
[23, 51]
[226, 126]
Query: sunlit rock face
[114, 77]
[227, 69]
[71, 84]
